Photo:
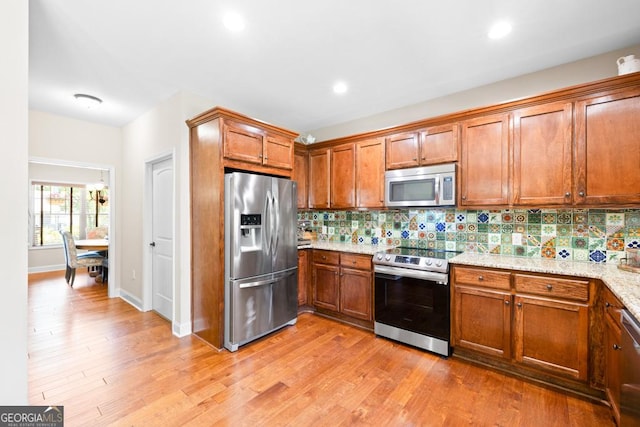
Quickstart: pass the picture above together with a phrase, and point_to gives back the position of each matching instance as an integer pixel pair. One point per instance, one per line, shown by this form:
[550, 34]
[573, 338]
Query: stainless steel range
[412, 297]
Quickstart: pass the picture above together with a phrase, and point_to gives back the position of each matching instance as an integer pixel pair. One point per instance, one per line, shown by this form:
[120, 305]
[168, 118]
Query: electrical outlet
[516, 239]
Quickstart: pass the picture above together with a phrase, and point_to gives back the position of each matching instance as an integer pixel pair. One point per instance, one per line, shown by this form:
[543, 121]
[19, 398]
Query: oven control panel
[420, 263]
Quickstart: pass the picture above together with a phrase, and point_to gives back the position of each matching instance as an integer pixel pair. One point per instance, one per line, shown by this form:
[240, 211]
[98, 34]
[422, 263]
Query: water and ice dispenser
[250, 232]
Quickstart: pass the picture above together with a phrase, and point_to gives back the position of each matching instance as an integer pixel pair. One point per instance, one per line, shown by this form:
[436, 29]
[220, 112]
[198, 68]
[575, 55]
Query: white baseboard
[131, 299]
[46, 268]
[181, 329]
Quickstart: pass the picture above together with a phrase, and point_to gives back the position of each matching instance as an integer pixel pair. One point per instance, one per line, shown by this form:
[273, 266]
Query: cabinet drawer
[361, 262]
[552, 287]
[612, 306]
[326, 257]
[482, 277]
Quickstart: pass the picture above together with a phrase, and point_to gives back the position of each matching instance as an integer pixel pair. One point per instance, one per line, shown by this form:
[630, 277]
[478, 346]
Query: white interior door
[162, 238]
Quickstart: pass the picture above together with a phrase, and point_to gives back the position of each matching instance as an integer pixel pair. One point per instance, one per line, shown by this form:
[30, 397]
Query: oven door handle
[394, 272]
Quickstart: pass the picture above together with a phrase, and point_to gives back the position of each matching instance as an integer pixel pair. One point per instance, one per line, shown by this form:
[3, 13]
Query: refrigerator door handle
[276, 216]
[267, 224]
[257, 283]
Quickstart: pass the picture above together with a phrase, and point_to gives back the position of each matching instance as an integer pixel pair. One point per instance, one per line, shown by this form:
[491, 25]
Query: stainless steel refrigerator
[261, 257]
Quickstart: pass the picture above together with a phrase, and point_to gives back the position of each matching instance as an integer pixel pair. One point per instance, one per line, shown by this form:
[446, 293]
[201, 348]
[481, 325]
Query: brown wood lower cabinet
[342, 286]
[303, 277]
[612, 341]
[536, 325]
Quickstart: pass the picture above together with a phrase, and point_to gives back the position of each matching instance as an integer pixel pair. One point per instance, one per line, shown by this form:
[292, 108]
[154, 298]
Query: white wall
[158, 132]
[574, 73]
[14, 44]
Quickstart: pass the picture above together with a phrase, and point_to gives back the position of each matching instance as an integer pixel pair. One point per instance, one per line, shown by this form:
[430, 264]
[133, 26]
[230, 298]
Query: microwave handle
[437, 185]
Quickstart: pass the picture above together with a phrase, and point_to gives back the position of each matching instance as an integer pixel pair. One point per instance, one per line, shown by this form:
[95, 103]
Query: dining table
[97, 245]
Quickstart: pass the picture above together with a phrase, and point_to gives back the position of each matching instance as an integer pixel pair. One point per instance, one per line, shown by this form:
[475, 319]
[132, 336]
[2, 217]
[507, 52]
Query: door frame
[113, 288]
[147, 231]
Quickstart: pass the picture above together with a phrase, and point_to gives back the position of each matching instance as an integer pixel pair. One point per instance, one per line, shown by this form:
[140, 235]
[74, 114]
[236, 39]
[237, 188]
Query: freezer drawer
[259, 305]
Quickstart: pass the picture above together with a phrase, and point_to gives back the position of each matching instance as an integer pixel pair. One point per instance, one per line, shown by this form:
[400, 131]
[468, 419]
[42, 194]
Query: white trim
[46, 268]
[147, 211]
[130, 299]
[181, 329]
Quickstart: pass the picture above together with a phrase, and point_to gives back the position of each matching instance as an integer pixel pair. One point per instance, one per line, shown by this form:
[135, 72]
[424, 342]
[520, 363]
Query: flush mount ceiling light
[233, 21]
[499, 30]
[87, 101]
[340, 88]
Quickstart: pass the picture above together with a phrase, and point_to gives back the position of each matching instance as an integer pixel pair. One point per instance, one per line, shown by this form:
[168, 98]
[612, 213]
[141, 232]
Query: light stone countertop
[625, 285]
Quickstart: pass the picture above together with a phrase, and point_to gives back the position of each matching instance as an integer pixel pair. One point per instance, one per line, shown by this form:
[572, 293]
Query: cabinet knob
[616, 347]
[581, 194]
[324, 257]
[519, 305]
[607, 304]
[415, 159]
[567, 194]
[506, 302]
[265, 157]
[424, 158]
[549, 287]
[480, 278]
[464, 197]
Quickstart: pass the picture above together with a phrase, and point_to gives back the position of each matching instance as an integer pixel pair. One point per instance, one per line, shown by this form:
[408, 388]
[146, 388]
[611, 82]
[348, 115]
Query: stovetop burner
[416, 258]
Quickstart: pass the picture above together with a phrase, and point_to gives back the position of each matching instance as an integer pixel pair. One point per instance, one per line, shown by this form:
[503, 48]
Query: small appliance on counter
[305, 236]
[631, 262]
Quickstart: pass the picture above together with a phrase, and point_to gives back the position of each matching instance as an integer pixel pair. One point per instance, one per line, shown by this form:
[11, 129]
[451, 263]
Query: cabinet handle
[567, 194]
[616, 347]
[480, 278]
[415, 159]
[265, 157]
[581, 194]
[506, 302]
[549, 287]
[464, 197]
[519, 305]
[324, 257]
[606, 304]
[424, 158]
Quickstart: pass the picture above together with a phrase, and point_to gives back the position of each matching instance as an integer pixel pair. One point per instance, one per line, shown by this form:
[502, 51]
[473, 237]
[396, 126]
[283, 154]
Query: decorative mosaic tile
[548, 252]
[598, 256]
[507, 217]
[563, 253]
[564, 217]
[549, 218]
[483, 217]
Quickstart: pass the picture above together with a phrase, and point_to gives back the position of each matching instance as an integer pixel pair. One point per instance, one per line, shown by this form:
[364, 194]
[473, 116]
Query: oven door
[415, 304]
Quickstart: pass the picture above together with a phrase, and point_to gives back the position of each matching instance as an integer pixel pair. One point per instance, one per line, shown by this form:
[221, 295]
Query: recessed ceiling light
[234, 22]
[87, 101]
[499, 30]
[340, 88]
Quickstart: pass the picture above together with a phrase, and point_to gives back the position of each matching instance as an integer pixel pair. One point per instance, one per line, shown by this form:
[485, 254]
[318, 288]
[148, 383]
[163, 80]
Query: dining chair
[73, 260]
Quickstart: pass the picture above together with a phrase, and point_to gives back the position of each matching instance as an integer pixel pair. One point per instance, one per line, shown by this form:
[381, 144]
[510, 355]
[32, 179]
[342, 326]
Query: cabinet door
[608, 149]
[402, 150]
[370, 173]
[319, 178]
[303, 276]
[482, 321]
[613, 337]
[326, 286]
[300, 172]
[355, 293]
[242, 143]
[552, 336]
[542, 159]
[439, 144]
[343, 173]
[278, 152]
[485, 161]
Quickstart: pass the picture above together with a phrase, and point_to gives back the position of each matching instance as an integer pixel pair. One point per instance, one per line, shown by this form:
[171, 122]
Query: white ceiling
[135, 53]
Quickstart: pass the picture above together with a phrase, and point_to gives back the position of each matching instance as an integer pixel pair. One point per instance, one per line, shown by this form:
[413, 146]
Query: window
[66, 207]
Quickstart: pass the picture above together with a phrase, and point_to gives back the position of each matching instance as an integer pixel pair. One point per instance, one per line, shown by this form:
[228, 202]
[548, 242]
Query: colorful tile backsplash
[596, 235]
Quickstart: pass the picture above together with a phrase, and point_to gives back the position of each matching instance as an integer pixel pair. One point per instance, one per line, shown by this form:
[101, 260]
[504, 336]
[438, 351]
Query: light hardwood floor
[108, 363]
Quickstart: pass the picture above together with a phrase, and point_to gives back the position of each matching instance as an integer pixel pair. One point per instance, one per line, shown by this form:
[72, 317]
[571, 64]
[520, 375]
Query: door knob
[152, 244]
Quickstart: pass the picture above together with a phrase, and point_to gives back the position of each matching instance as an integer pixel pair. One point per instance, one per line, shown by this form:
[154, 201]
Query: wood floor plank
[110, 364]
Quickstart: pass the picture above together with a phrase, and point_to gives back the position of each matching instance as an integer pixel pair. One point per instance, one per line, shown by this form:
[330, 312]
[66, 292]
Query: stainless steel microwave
[423, 186]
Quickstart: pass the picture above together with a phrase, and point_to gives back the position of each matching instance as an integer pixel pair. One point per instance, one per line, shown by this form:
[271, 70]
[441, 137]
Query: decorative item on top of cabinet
[370, 173]
[484, 169]
[612, 342]
[608, 149]
[542, 155]
[300, 175]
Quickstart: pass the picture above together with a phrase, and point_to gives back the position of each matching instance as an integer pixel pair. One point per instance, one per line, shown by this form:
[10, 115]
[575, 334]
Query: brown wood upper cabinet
[484, 169]
[249, 144]
[542, 159]
[436, 144]
[319, 178]
[300, 176]
[343, 176]
[370, 173]
[608, 149]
